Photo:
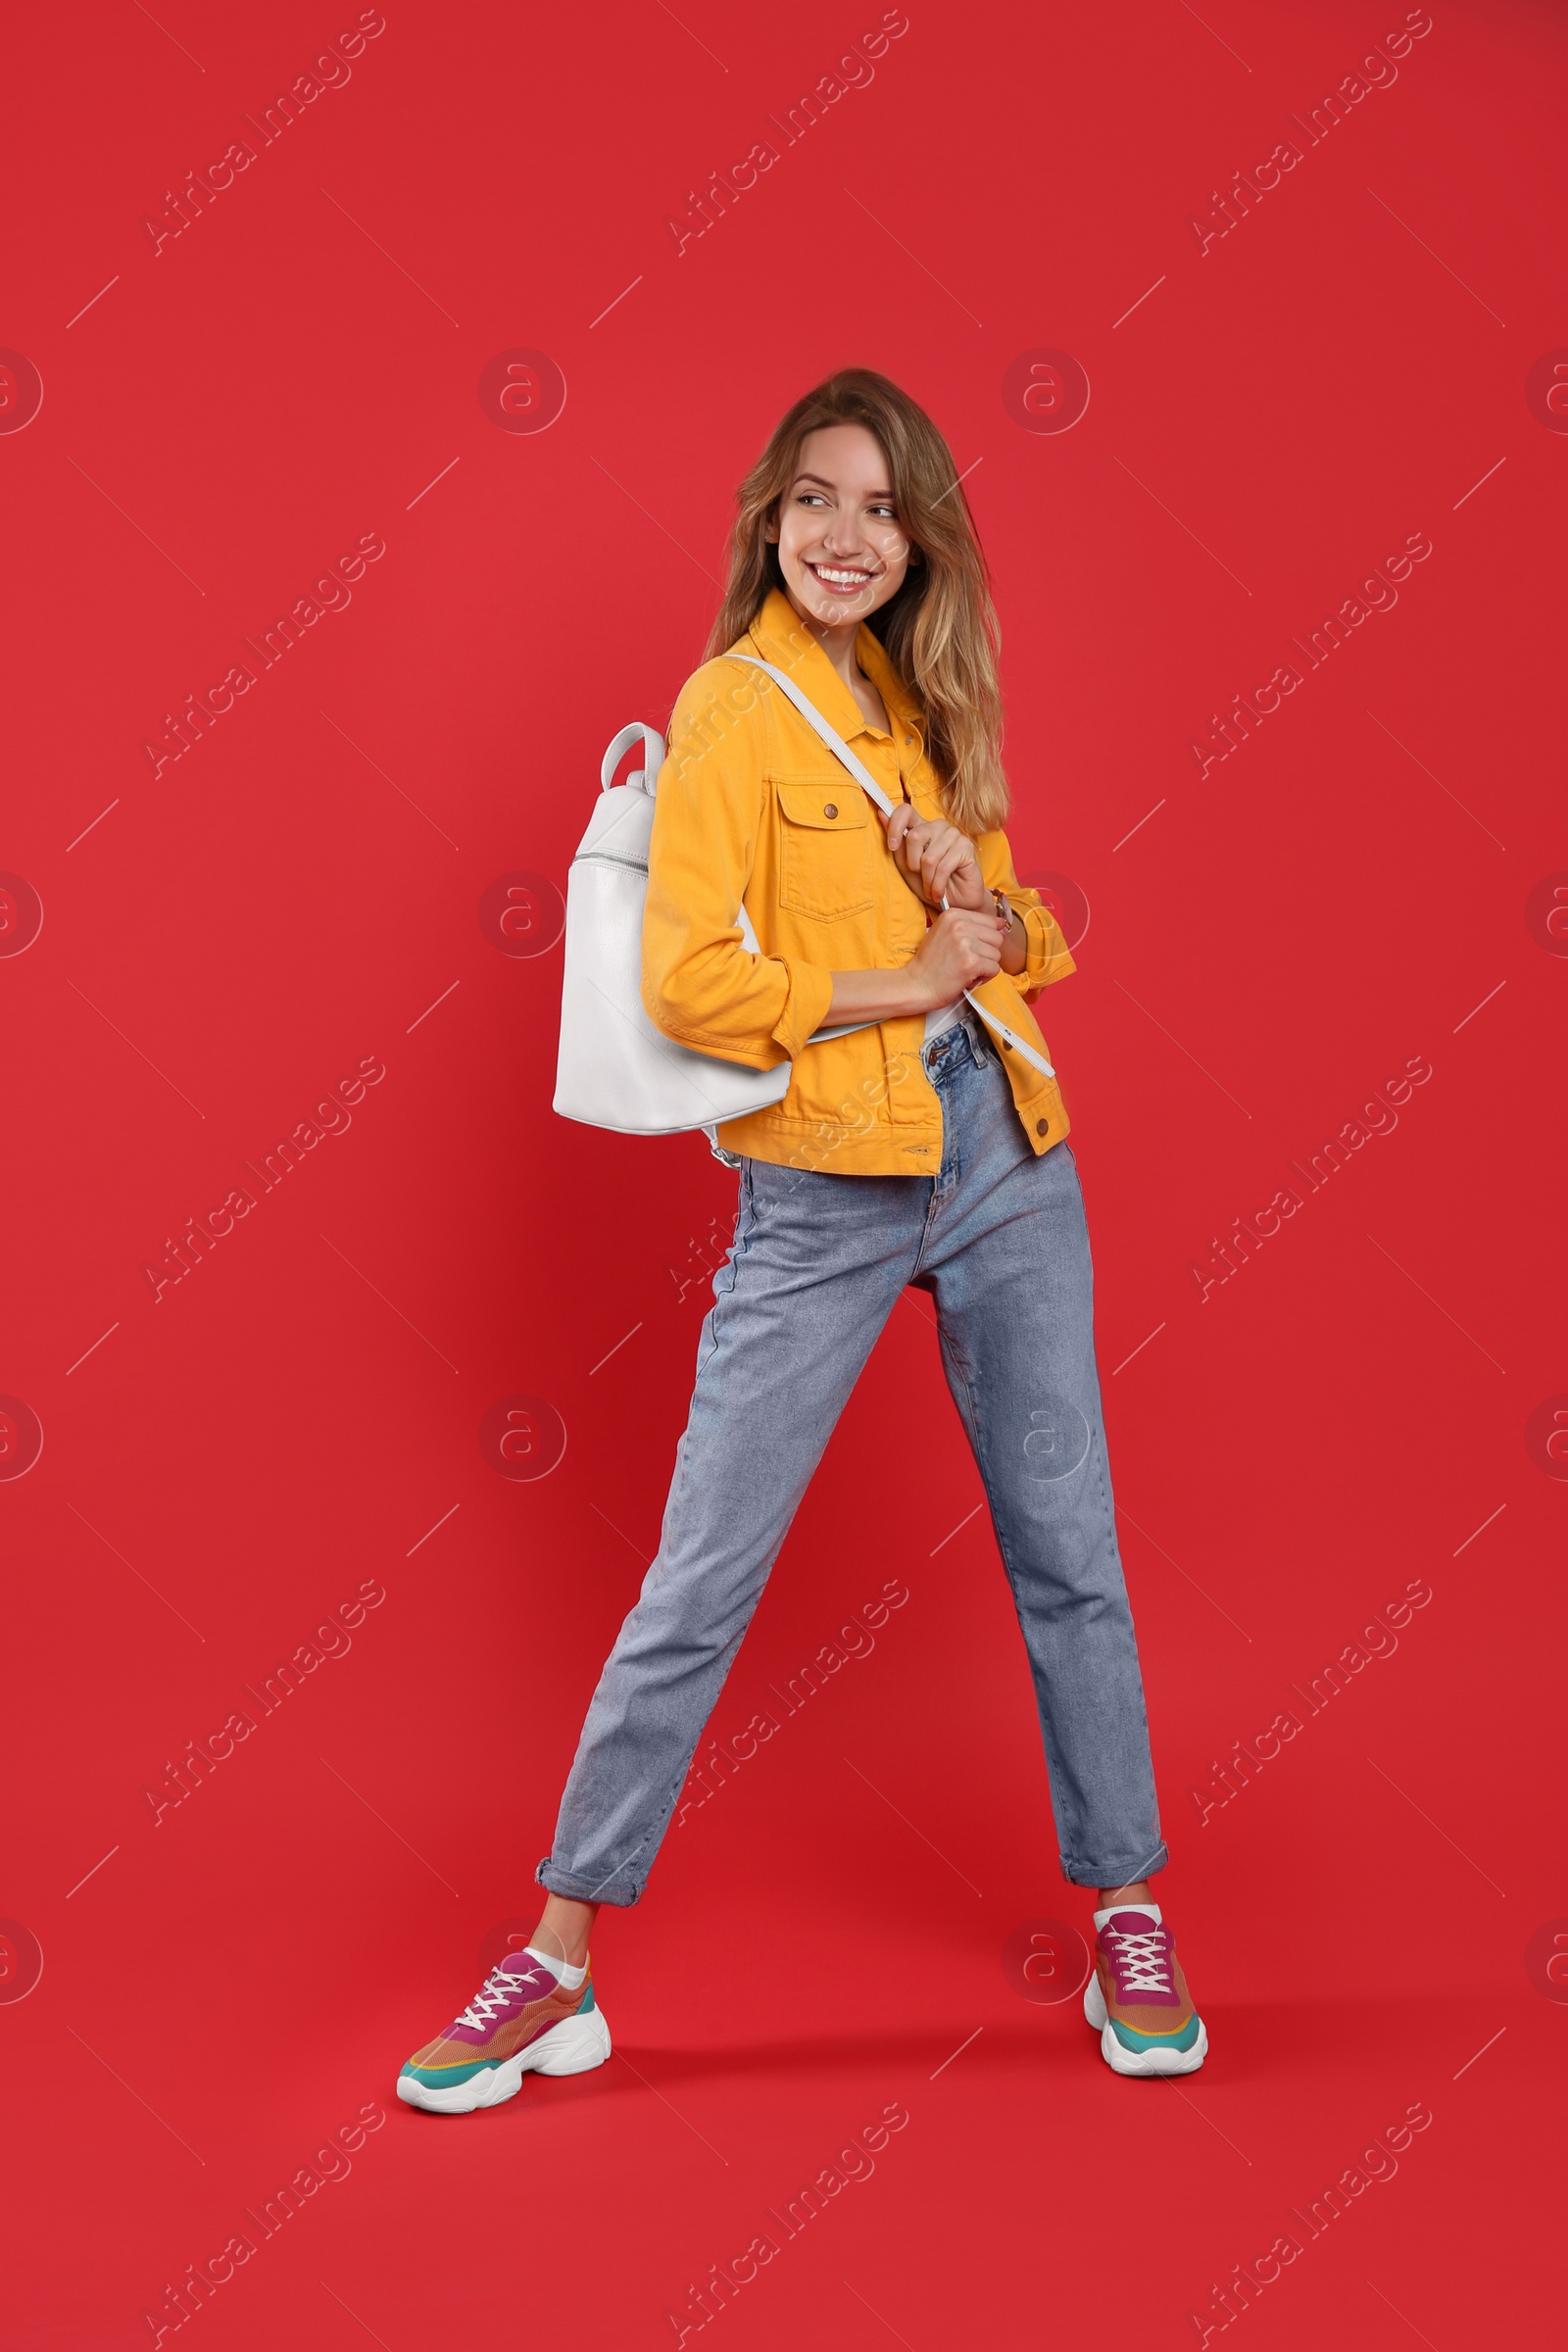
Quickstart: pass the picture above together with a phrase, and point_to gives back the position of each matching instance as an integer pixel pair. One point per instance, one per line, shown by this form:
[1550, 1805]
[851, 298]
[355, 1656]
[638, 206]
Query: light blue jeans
[998, 1242]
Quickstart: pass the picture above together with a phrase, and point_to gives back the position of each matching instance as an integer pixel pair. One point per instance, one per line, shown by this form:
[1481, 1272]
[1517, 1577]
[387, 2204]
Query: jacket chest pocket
[826, 848]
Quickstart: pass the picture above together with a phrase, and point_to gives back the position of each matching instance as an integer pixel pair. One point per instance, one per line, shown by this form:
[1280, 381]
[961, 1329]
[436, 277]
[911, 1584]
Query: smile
[842, 583]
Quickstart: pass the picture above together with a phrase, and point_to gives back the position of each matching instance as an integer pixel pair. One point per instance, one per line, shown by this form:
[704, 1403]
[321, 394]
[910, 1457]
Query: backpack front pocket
[827, 846]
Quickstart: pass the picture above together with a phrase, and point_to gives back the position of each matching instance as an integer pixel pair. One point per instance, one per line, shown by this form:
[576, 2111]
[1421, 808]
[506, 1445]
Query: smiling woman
[834, 778]
[857, 497]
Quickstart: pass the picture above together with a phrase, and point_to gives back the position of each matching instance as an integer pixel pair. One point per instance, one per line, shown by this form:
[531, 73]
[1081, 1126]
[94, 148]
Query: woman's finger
[952, 859]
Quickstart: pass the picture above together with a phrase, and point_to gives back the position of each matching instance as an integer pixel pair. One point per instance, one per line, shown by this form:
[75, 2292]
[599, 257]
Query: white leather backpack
[614, 1068]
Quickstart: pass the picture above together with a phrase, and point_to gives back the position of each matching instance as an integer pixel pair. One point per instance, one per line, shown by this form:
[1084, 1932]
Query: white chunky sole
[1138, 2062]
[572, 2047]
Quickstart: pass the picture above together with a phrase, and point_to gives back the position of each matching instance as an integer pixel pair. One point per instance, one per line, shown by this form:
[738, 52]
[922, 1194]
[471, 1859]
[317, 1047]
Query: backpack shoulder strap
[829, 735]
[1012, 1042]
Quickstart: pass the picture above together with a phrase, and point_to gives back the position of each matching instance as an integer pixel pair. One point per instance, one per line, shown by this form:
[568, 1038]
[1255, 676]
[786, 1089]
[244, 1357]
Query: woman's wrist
[899, 994]
[910, 992]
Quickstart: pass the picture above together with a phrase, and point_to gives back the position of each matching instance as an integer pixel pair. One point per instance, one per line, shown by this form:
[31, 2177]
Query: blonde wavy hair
[940, 630]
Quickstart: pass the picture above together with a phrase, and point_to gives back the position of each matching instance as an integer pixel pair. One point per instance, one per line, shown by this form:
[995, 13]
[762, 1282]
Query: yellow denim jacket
[752, 808]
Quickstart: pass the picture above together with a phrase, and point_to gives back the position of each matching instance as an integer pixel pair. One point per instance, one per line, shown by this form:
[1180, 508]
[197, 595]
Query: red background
[222, 1989]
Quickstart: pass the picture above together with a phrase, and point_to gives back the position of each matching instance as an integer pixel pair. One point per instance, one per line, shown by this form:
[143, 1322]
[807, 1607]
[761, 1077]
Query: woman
[914, 1149]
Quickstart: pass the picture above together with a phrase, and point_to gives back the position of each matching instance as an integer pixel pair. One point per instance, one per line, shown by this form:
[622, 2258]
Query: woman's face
[841, 542]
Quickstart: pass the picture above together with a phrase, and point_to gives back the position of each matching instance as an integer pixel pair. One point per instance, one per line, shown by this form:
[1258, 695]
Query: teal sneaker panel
[445, 2078]
[1131, 2040]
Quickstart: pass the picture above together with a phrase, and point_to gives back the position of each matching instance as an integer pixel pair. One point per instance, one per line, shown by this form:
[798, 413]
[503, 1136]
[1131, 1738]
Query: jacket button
[1042, 1126]
[831, 809]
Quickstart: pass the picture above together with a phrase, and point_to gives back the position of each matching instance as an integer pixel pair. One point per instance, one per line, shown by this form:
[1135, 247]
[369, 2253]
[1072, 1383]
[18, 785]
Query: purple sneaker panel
[526, 1980]
[1125, 1967]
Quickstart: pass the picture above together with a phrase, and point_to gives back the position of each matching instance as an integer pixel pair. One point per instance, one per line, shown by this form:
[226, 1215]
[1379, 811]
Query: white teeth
[843, 580]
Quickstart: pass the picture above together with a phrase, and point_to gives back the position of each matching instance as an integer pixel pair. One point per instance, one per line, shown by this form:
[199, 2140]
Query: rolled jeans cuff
[620, 1887]
[1114, 1873]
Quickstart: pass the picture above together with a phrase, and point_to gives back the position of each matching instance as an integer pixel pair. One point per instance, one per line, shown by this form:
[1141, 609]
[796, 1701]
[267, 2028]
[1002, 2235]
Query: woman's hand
[959, 951]
[938, 859]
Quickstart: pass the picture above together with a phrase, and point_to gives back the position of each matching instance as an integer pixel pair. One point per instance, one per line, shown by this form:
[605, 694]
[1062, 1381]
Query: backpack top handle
[644, 777]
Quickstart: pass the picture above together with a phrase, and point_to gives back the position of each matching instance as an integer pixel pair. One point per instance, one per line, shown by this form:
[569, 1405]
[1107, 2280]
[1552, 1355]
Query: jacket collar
[780, 636]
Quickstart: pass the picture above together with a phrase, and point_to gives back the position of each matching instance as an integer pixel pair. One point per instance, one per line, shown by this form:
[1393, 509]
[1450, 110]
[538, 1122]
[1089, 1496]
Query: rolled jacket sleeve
[699, 985]
[1047, 957]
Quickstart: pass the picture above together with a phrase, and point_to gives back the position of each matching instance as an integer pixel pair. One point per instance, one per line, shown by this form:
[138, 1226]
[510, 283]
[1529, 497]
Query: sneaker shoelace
[499, 1992]
[1142, 1962]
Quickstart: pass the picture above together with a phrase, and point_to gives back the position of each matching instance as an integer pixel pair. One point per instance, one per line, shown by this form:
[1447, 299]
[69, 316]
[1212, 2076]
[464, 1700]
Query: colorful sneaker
[1137, 1999]
[524, 2020]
